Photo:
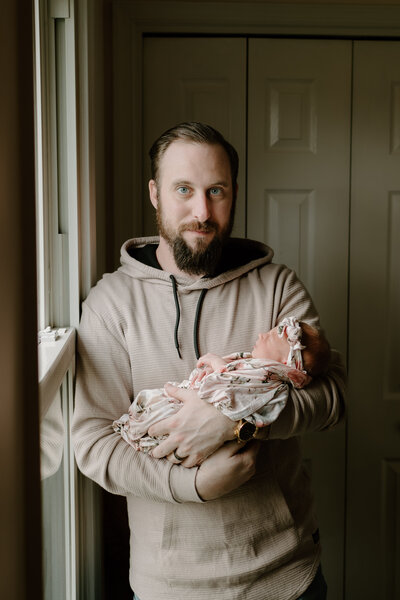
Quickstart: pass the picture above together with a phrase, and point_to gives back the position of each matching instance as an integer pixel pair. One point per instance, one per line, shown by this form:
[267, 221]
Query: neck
[165, 257]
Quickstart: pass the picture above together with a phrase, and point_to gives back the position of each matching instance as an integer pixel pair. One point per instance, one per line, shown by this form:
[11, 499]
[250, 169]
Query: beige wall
[19, 456]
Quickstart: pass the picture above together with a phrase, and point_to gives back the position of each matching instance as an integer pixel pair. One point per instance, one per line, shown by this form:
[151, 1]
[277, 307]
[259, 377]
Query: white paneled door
[299, 164]
[298, 203]
[317, 127]
[373, 514]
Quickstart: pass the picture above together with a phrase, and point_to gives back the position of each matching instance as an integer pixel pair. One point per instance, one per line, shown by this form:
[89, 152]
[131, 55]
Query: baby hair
[316, 354]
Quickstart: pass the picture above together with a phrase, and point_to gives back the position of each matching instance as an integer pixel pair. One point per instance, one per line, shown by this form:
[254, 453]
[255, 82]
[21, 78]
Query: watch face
[246, 431]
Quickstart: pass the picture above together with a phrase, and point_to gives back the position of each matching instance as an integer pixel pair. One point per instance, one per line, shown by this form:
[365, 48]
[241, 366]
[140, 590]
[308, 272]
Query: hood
[239, 257]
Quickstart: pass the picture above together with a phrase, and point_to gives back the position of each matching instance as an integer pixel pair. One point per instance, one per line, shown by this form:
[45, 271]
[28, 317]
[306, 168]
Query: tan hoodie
[256, 542]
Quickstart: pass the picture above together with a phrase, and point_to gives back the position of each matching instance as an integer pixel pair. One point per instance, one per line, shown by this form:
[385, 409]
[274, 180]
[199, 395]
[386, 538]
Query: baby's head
[296, 343]
[316, 353]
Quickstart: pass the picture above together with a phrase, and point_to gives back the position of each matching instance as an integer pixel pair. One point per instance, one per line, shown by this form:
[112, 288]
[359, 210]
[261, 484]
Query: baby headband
[291, 327]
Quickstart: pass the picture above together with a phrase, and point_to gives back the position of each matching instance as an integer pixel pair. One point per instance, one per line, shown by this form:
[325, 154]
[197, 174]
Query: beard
[204, 257]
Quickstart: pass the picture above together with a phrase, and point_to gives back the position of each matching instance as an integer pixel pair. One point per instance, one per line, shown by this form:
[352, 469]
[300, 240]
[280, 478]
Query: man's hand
[194, 432]
[227, 469]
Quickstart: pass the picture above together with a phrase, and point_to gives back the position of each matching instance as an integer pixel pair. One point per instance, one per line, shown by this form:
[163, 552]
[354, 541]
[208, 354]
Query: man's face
[194, 201]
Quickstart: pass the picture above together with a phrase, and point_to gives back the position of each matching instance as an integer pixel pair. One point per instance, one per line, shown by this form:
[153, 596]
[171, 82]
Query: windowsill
[55, 359]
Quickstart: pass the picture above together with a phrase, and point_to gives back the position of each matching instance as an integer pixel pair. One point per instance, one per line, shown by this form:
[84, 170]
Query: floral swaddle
[245, 388]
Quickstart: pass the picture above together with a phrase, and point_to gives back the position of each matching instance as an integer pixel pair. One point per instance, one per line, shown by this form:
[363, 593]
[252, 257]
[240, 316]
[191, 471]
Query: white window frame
[66, 217]
[57, 180]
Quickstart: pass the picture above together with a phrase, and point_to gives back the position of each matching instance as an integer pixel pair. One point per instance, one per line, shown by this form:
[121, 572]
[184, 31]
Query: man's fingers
[188, 463]
[175, 458]
[234, 447]
[197, 429]
[251, 448]
[229, 467]
[161, 428]
[231, 448]
[165, 448]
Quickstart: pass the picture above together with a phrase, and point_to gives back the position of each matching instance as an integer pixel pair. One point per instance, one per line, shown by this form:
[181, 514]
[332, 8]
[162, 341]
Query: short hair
[199, 133]
[317, 353]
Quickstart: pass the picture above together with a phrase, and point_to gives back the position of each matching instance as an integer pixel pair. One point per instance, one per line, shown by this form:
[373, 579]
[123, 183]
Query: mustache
[207, 226]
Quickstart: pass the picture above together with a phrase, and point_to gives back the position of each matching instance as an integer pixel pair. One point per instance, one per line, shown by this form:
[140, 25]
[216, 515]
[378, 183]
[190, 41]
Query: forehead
[189, 161]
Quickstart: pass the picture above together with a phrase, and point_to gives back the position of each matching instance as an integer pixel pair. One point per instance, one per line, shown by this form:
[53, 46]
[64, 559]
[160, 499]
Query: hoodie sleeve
[319, 405]
[103, 393]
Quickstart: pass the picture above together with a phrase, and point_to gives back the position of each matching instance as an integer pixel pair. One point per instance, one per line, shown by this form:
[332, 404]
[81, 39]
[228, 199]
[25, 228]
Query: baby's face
[270, 345]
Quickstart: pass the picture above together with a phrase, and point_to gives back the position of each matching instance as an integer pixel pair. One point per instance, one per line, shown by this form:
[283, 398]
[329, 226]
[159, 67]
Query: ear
[153, 193]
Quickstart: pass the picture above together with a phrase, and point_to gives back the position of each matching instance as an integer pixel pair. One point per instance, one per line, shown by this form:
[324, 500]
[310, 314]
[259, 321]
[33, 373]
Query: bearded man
[209, 517]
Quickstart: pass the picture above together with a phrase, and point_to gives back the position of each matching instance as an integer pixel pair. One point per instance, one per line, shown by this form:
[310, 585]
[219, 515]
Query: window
[59, 199]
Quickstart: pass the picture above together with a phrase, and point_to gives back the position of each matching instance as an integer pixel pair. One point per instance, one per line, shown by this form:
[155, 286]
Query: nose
[201, 207]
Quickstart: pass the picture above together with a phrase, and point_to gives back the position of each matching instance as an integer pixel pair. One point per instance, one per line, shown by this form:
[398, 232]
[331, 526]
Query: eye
[182, 189]
[215, 191]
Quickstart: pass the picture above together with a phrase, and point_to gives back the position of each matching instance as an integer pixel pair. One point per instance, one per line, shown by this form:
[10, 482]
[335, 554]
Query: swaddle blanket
[245, 388]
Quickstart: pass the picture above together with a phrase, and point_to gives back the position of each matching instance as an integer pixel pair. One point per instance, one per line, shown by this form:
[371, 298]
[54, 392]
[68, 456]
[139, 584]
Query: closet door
[298, 203]
[195, 79]
[373, 513]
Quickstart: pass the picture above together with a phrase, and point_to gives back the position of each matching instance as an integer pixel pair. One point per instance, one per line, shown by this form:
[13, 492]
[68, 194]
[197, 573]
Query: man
[210, 515]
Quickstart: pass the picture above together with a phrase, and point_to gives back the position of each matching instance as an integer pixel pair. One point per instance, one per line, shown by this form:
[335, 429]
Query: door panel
[299, 164]
[195, 79]
[373, 508]
[298, 203]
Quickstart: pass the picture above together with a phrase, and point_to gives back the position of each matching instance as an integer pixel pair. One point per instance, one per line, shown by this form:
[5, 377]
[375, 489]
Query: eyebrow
[189, 183]
[221, 183]
[180, 182]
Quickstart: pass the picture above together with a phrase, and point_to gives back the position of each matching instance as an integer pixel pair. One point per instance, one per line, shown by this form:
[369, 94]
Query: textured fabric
[316, 591]
[254, 542]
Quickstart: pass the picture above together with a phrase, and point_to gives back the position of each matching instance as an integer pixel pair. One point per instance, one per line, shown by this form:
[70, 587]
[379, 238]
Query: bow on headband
[291, 327]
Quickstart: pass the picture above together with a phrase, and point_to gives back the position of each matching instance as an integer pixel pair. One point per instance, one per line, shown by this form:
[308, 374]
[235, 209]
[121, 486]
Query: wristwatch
[245, 431]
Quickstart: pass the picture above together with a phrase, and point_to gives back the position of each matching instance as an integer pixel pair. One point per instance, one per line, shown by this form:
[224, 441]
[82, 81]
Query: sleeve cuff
[182, 483]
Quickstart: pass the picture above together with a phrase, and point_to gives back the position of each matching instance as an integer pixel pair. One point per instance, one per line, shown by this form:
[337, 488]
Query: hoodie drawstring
[178, 314]
[196, 323]
[178, 318]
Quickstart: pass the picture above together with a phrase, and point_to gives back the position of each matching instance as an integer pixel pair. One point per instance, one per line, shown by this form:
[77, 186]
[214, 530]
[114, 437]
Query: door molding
[247, 18]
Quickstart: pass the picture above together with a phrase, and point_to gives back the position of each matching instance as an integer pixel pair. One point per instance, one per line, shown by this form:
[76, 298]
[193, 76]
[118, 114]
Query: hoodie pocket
[244, 533]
